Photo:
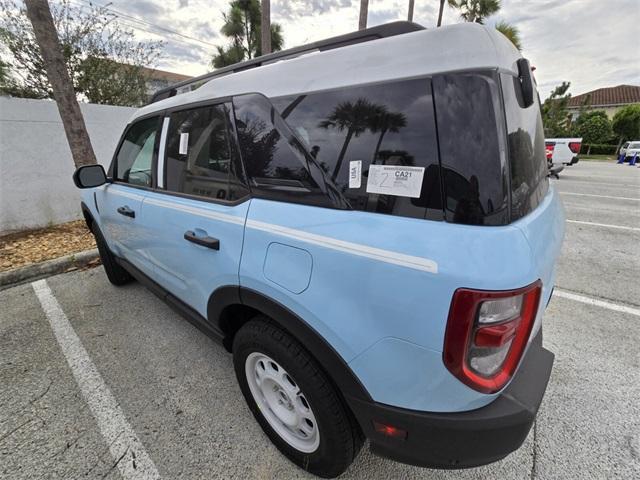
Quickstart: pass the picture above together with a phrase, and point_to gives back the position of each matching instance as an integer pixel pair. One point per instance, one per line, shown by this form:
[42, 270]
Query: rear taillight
[575, 147]
[487, 333]
[549, 150]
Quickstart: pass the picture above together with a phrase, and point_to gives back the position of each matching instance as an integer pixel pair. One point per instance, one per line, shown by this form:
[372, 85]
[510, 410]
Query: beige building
[609, 99]
[159, 79]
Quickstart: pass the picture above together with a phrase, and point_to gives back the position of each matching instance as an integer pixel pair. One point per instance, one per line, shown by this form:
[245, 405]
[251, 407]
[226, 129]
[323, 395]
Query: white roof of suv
[462, 46]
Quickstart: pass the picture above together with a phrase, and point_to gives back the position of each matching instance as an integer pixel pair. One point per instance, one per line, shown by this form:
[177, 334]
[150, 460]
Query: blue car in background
[366, 224]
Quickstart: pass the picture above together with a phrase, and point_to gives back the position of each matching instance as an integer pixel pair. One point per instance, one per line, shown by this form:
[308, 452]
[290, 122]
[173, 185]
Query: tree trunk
[266, 27]
[364, 13]
[440, 12]
[336, 170]
[375, 154]
[410, 14]
[45, 32]
[247, 34]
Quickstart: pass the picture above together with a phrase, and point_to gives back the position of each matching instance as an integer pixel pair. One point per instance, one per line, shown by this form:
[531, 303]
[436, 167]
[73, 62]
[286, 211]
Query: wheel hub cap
[282, 403]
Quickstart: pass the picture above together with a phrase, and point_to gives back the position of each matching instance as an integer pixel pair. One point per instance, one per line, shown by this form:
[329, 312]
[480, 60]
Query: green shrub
[598, 149]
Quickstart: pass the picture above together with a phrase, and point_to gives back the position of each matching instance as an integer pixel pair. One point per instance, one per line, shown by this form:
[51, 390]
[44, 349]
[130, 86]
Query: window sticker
[355, 174]
[184, 143]
[394, 180]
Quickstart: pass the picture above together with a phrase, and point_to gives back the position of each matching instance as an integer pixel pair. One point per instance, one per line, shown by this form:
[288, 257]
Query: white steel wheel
[282, 403]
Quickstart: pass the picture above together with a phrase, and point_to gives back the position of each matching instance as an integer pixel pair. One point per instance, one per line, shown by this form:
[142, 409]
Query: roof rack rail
[366, 35]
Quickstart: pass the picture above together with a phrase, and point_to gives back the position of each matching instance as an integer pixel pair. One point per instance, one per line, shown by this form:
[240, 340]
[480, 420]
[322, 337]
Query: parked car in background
[563, 151]
[623, 149]
[388, 284]
[633, 149]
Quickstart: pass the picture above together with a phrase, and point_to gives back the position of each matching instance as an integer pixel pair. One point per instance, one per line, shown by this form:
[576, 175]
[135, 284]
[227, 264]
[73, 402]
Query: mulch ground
[33, 246]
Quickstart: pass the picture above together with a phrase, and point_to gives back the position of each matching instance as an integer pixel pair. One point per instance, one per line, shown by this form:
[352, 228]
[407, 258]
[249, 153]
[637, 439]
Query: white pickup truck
[563, 151]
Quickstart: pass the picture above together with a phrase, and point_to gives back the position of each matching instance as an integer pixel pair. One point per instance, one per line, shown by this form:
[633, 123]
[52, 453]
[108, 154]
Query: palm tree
[47, 38]
[364, 13]
[385, 122]
[265, 25]
[511, 32]
[440, 12]
[354, 117]
[410, 14]
[242, 26]
[478, 10]
[475, 10]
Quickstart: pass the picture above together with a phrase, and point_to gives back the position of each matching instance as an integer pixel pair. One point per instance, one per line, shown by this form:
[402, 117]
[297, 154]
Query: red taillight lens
[575, 147]
[487, 333]
[549, 150]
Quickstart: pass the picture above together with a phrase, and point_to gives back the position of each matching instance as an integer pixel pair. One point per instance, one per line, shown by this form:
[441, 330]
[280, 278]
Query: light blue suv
[367, 225]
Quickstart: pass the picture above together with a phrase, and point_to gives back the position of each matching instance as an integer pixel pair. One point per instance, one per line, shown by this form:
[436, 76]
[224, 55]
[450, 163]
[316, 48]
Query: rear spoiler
[366, 35]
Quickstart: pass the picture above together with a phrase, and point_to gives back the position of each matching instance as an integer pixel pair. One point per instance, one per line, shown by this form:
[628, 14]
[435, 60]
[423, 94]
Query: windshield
[634, 145]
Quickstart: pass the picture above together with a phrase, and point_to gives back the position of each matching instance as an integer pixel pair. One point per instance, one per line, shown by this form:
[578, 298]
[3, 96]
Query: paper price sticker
[355, 174]
[184, 143]
[395, 180]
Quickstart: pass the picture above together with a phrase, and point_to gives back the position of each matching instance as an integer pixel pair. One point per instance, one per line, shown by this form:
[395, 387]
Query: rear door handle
[126, 211]
[207, 241]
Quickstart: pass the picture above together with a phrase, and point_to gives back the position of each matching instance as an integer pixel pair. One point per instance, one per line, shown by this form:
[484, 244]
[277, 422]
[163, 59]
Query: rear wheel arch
[230, 307]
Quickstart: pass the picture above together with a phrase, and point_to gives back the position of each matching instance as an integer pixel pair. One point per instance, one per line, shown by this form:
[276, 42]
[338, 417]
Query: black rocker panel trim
[175, 303]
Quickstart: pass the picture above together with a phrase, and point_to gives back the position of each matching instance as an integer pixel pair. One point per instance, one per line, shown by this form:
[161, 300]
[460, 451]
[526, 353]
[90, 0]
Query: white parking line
[599, 196]
[589, 182]
[620, 227]
[570, 205]
[126, 449]
[595, 302]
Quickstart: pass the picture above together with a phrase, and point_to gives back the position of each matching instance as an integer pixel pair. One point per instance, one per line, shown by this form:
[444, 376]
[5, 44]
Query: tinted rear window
[356, 131]
[471, 148]
[527, 159]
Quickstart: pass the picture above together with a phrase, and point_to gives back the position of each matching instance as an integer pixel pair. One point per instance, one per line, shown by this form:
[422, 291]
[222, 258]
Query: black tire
[115, 273]
[340, 436]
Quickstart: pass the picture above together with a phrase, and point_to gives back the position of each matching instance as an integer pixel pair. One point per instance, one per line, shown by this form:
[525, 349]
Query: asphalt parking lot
[175, 411]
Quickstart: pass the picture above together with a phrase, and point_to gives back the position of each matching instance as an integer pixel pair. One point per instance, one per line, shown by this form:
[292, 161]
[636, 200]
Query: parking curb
[35, 271]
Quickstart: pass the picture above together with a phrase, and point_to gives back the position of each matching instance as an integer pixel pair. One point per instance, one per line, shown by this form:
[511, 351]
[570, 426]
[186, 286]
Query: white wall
[36, 189]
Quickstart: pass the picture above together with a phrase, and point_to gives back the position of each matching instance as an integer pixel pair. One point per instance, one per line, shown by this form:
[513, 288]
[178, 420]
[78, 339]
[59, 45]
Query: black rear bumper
[464, 439]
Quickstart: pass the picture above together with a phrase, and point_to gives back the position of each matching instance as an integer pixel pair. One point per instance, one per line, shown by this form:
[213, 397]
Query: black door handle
[208, 242]
[127, 212]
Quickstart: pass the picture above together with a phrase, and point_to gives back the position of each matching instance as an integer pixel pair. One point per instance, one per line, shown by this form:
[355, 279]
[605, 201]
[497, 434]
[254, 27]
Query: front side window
[375, 144]
[200, 157]
[471, 148]
[134, 161]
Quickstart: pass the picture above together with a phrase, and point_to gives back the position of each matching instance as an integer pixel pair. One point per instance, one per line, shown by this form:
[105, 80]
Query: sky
[591, 43]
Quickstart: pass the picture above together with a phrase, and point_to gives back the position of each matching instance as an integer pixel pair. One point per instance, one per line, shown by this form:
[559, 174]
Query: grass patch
[600, 158]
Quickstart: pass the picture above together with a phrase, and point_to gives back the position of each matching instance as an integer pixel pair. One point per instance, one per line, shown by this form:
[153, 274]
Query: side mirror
[526, 82]
[89, 176]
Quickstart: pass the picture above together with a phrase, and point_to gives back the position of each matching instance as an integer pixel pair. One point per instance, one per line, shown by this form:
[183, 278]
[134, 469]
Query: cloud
[378, 17]
[586, 42]
[143, 8]
[292, 9]
[185, 53]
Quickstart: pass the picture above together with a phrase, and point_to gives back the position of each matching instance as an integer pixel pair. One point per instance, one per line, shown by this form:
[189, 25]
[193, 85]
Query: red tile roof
[620, 95]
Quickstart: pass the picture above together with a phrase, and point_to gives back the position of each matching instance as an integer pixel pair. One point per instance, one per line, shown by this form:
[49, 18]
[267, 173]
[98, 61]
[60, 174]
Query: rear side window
[362, 137]
[471, 150]
[527, 159]
[200, 156]
[134, 161]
